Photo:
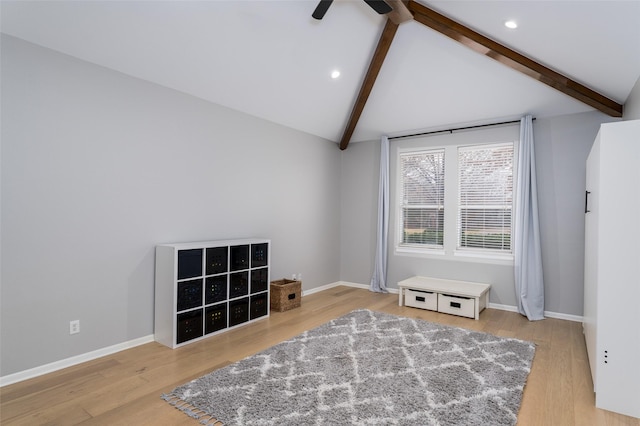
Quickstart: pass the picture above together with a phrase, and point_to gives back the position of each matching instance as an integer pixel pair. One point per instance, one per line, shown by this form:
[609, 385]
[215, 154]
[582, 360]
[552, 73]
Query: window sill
[420, 252]
[478, 257]
[458, 255]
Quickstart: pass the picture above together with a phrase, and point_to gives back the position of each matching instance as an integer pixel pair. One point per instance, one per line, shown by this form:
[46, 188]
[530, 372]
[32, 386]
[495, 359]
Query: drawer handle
[419, 298]
[586, 201]
[454, 304]
[292, 296]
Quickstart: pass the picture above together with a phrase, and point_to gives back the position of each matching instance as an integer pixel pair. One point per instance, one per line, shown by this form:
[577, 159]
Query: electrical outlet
[74, 327]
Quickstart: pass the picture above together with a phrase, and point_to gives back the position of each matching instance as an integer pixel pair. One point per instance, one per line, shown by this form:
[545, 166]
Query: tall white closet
[612, 267]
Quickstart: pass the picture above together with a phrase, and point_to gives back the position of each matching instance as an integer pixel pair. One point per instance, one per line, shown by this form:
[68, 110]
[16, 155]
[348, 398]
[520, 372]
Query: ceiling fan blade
[321, 9]
[379, 6]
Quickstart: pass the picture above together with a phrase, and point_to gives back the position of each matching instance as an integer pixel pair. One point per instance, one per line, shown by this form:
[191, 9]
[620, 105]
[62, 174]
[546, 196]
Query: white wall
[631, 110]
[359, 204]
[562, 146]
[99, 167]
[500, 276]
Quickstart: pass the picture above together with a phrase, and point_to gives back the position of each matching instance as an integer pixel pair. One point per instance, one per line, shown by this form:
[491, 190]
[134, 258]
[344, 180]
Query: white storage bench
[462, 298]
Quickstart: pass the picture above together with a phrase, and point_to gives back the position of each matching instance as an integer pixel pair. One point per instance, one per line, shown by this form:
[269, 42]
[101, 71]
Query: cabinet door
[259, 280]
[215, 318]
[215, 289]
[591, 255]
[238, 311]
[239, 257]
[189, 295]
[217, 260]
[189, 263]
[259, 255]
[617, 284]
[189, 326]
[238, 284]
[258, 306]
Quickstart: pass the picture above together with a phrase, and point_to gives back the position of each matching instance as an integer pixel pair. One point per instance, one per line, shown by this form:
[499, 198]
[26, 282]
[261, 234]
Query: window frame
[402, 205]
[459, 206]
[450, 249]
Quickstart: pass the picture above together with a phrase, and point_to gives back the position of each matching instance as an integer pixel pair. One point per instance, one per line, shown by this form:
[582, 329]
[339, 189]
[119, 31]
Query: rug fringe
[193, 412]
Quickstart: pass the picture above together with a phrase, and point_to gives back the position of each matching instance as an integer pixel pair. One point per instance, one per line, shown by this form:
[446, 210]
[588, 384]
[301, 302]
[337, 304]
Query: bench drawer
[421, 299]
[456, 305]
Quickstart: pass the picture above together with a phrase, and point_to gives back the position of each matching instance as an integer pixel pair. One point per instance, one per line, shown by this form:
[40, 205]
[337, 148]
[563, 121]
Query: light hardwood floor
[125, 388]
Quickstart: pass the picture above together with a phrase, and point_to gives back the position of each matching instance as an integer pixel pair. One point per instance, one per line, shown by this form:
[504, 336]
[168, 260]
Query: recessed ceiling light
[335, 74]
[511, 24]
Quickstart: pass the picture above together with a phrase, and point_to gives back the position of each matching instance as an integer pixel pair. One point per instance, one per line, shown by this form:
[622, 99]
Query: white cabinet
[462, 298]
[207, 287]
[612, 266]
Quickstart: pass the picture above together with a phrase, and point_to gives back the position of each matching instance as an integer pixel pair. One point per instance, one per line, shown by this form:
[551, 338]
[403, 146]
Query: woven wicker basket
[285, 295]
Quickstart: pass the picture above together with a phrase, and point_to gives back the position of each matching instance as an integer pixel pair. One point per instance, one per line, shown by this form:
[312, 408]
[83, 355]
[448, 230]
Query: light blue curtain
[378, 280]
[528, 258]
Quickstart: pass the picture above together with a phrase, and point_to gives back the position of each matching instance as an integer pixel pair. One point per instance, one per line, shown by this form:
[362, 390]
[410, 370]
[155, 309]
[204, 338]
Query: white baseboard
[355, 285]
[345, 284]
[503, 307]
[567, 317]
[69, 362]
[547, 314]
[322, 288]
[509, 308]
[78, 359]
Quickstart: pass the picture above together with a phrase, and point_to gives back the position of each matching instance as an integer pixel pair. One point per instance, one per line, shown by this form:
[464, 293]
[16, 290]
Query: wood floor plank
[535, 392]
[125, 388]
[559, 381]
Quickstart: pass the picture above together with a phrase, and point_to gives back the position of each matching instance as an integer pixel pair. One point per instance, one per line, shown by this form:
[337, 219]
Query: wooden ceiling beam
[400, 12]
[513, 59]
[478, 43]
[380, 53]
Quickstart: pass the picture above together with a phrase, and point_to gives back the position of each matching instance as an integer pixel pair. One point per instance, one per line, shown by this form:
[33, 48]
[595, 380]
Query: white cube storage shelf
[461, 298]
[205, 288]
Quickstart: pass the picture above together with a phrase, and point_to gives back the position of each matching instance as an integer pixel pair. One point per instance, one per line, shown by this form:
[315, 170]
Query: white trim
[74, 360]
[407, 250]
[449, 249]
[502, 307]
[547, 314]
[356, 285]
[567, 317]
[322, 288]
[493, 257]
[509, 308]
[457, 255]
[345, 284]
[79, 359]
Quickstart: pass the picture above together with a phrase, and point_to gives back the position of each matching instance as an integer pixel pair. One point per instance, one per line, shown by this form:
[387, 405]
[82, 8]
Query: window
[485, 197]
[456, 200]
[423, 197]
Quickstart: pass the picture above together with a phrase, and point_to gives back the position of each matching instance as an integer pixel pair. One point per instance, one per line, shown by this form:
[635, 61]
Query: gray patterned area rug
[368, 368]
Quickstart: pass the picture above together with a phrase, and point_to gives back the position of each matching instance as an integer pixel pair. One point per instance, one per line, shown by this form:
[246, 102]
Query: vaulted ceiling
[271, 59]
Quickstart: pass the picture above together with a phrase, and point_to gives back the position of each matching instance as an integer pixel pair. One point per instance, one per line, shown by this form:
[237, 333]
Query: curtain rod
[456, 129]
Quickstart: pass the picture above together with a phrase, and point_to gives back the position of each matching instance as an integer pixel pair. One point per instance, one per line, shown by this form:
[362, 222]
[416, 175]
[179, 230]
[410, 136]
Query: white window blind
[485, 197]
[422, 204]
